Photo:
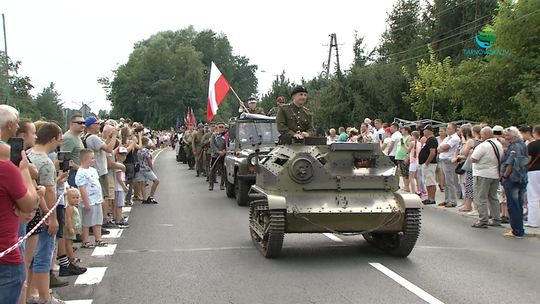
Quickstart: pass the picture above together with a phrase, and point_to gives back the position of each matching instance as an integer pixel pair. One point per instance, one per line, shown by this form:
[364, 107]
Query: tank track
[398, 244]
[267, 228]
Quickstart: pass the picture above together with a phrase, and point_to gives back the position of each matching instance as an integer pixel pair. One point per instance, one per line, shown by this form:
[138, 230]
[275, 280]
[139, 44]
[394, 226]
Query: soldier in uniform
[280, 100]
[294, 120]
[217, 146]
[187, 139]
[206, 149]
[252, 107]
[197, 145]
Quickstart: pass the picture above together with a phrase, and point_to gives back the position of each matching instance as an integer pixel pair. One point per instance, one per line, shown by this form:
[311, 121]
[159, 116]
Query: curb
[528, 232]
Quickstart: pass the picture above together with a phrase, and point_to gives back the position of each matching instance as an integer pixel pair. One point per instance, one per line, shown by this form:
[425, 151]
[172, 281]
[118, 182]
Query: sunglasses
[78, 122]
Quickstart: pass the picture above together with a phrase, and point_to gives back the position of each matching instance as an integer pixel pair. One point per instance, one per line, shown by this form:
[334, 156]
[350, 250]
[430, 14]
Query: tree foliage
[168, 72]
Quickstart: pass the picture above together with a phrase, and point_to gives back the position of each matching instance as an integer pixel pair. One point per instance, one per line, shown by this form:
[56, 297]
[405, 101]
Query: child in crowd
[73, 222]
[87, 180]
[146, 172]
[120, 188]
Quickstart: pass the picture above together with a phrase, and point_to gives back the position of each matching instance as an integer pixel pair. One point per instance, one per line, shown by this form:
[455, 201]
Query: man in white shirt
[396, 136]
[486, 159]
[378, 134]
[446, 152]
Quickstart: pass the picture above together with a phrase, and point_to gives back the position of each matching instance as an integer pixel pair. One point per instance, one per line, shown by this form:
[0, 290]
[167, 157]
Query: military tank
[342, 188]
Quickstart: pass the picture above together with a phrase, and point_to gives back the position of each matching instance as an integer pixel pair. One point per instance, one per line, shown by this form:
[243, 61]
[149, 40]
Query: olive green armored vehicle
[248, 134]
[342, 188]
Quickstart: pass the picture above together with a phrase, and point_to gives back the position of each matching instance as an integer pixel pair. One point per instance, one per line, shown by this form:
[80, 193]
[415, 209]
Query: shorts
[413, 167]
[60, 216]
[119, 199]
[104, 182]
[92, 217]
[403, 169]
[44, 251]
[11, 282]
[112, 188]
[68, 236]
[145, 175]
[429, 175]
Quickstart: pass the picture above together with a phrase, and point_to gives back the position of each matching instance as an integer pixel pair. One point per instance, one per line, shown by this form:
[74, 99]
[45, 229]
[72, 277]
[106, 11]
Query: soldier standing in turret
[294, 120]
[280, 100]
[197, 145]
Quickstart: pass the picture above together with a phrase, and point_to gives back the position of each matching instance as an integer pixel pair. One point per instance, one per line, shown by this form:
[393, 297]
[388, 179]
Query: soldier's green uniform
[197, 145]
[292, 119]
[257, 110]
[206, 151]
[188, 141]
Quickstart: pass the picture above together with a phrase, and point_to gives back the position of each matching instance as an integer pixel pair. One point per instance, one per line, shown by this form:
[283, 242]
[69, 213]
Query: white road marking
[333, 237]
[410, 286]
[157, 154]
[114, 233]
[104, 251]
[93, 275]
[79, 302]
[126, 209]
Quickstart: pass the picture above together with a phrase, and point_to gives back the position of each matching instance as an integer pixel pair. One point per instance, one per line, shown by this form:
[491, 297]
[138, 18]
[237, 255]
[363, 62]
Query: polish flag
[217, 90]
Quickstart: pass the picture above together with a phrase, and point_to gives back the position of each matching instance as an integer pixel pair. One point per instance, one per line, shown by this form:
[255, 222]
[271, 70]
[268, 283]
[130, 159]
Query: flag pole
[239, 100]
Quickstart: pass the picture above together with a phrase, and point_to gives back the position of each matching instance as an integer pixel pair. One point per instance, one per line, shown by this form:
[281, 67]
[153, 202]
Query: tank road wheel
[242, 192]
[229, 188]
[398, 244]
[267, 228]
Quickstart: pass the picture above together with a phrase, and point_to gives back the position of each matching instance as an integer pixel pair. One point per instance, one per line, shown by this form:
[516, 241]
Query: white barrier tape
[22, 239]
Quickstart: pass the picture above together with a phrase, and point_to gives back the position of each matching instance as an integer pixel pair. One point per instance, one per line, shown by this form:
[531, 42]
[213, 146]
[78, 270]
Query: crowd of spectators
[63, 188]
[489, 172]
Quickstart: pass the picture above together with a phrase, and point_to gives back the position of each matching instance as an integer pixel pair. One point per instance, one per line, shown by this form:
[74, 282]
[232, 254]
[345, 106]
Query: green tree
[19, 87]
[49, 104]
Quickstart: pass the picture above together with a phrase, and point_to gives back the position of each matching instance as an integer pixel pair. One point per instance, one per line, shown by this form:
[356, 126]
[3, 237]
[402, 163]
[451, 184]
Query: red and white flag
[217, 89]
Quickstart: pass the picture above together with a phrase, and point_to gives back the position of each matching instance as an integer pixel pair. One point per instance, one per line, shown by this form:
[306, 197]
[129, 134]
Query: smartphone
[64, 157]
[16, 144]
[380, 137]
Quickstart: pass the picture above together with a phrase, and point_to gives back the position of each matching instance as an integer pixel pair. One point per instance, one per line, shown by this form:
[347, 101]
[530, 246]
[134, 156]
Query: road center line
[79, 301]
[158, 153]
[126, 209]
[403, 282]
[333, 237]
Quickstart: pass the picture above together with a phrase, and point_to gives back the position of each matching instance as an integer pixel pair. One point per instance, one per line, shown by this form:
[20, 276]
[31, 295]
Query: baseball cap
[122, 150]
[498, 128]
[388, 130]
[92, 120]
[251, 100]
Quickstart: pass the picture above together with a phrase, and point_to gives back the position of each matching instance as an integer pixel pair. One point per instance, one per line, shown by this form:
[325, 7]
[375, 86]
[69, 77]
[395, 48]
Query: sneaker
[505, 220]
[473, 213]
[510, 234]
[428, 202]
[123, 224]
[443, 204]
[128, 203]
[71, 270]
[53, 300]
[450, 205]
[109, 224]
[151, 200]
[530, 226]
[54, 281]
[146, 201]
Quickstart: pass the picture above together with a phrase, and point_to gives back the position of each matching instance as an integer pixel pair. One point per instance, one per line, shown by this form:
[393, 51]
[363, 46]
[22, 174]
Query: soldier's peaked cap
[200, 125]
[298, 89]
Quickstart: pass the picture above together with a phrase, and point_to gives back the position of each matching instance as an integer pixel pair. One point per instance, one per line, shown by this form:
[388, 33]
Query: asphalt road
[194, 247]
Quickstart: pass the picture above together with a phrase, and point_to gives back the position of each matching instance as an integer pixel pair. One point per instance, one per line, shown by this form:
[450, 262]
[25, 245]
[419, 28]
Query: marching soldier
[206, 149]
[280, 100]
[197, 145]
[294, 120]
[217, 146]
[187, 139]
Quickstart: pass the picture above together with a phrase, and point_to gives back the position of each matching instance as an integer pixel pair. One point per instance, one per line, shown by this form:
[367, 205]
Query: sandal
[87, 245]
[464, 210]
[101, 243]
[479, 225]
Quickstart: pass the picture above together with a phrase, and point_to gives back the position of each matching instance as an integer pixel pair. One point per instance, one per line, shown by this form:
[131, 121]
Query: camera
[64, 157]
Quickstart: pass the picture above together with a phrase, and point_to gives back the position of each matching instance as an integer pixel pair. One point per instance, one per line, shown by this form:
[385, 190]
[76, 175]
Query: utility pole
[333, 44]
[6, 61]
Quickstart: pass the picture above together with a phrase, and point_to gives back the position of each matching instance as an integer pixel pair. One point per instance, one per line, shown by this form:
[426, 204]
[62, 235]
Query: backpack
[85, 137]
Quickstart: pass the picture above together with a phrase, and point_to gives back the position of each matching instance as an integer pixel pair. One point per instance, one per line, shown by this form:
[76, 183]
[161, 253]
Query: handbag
[459, 168]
